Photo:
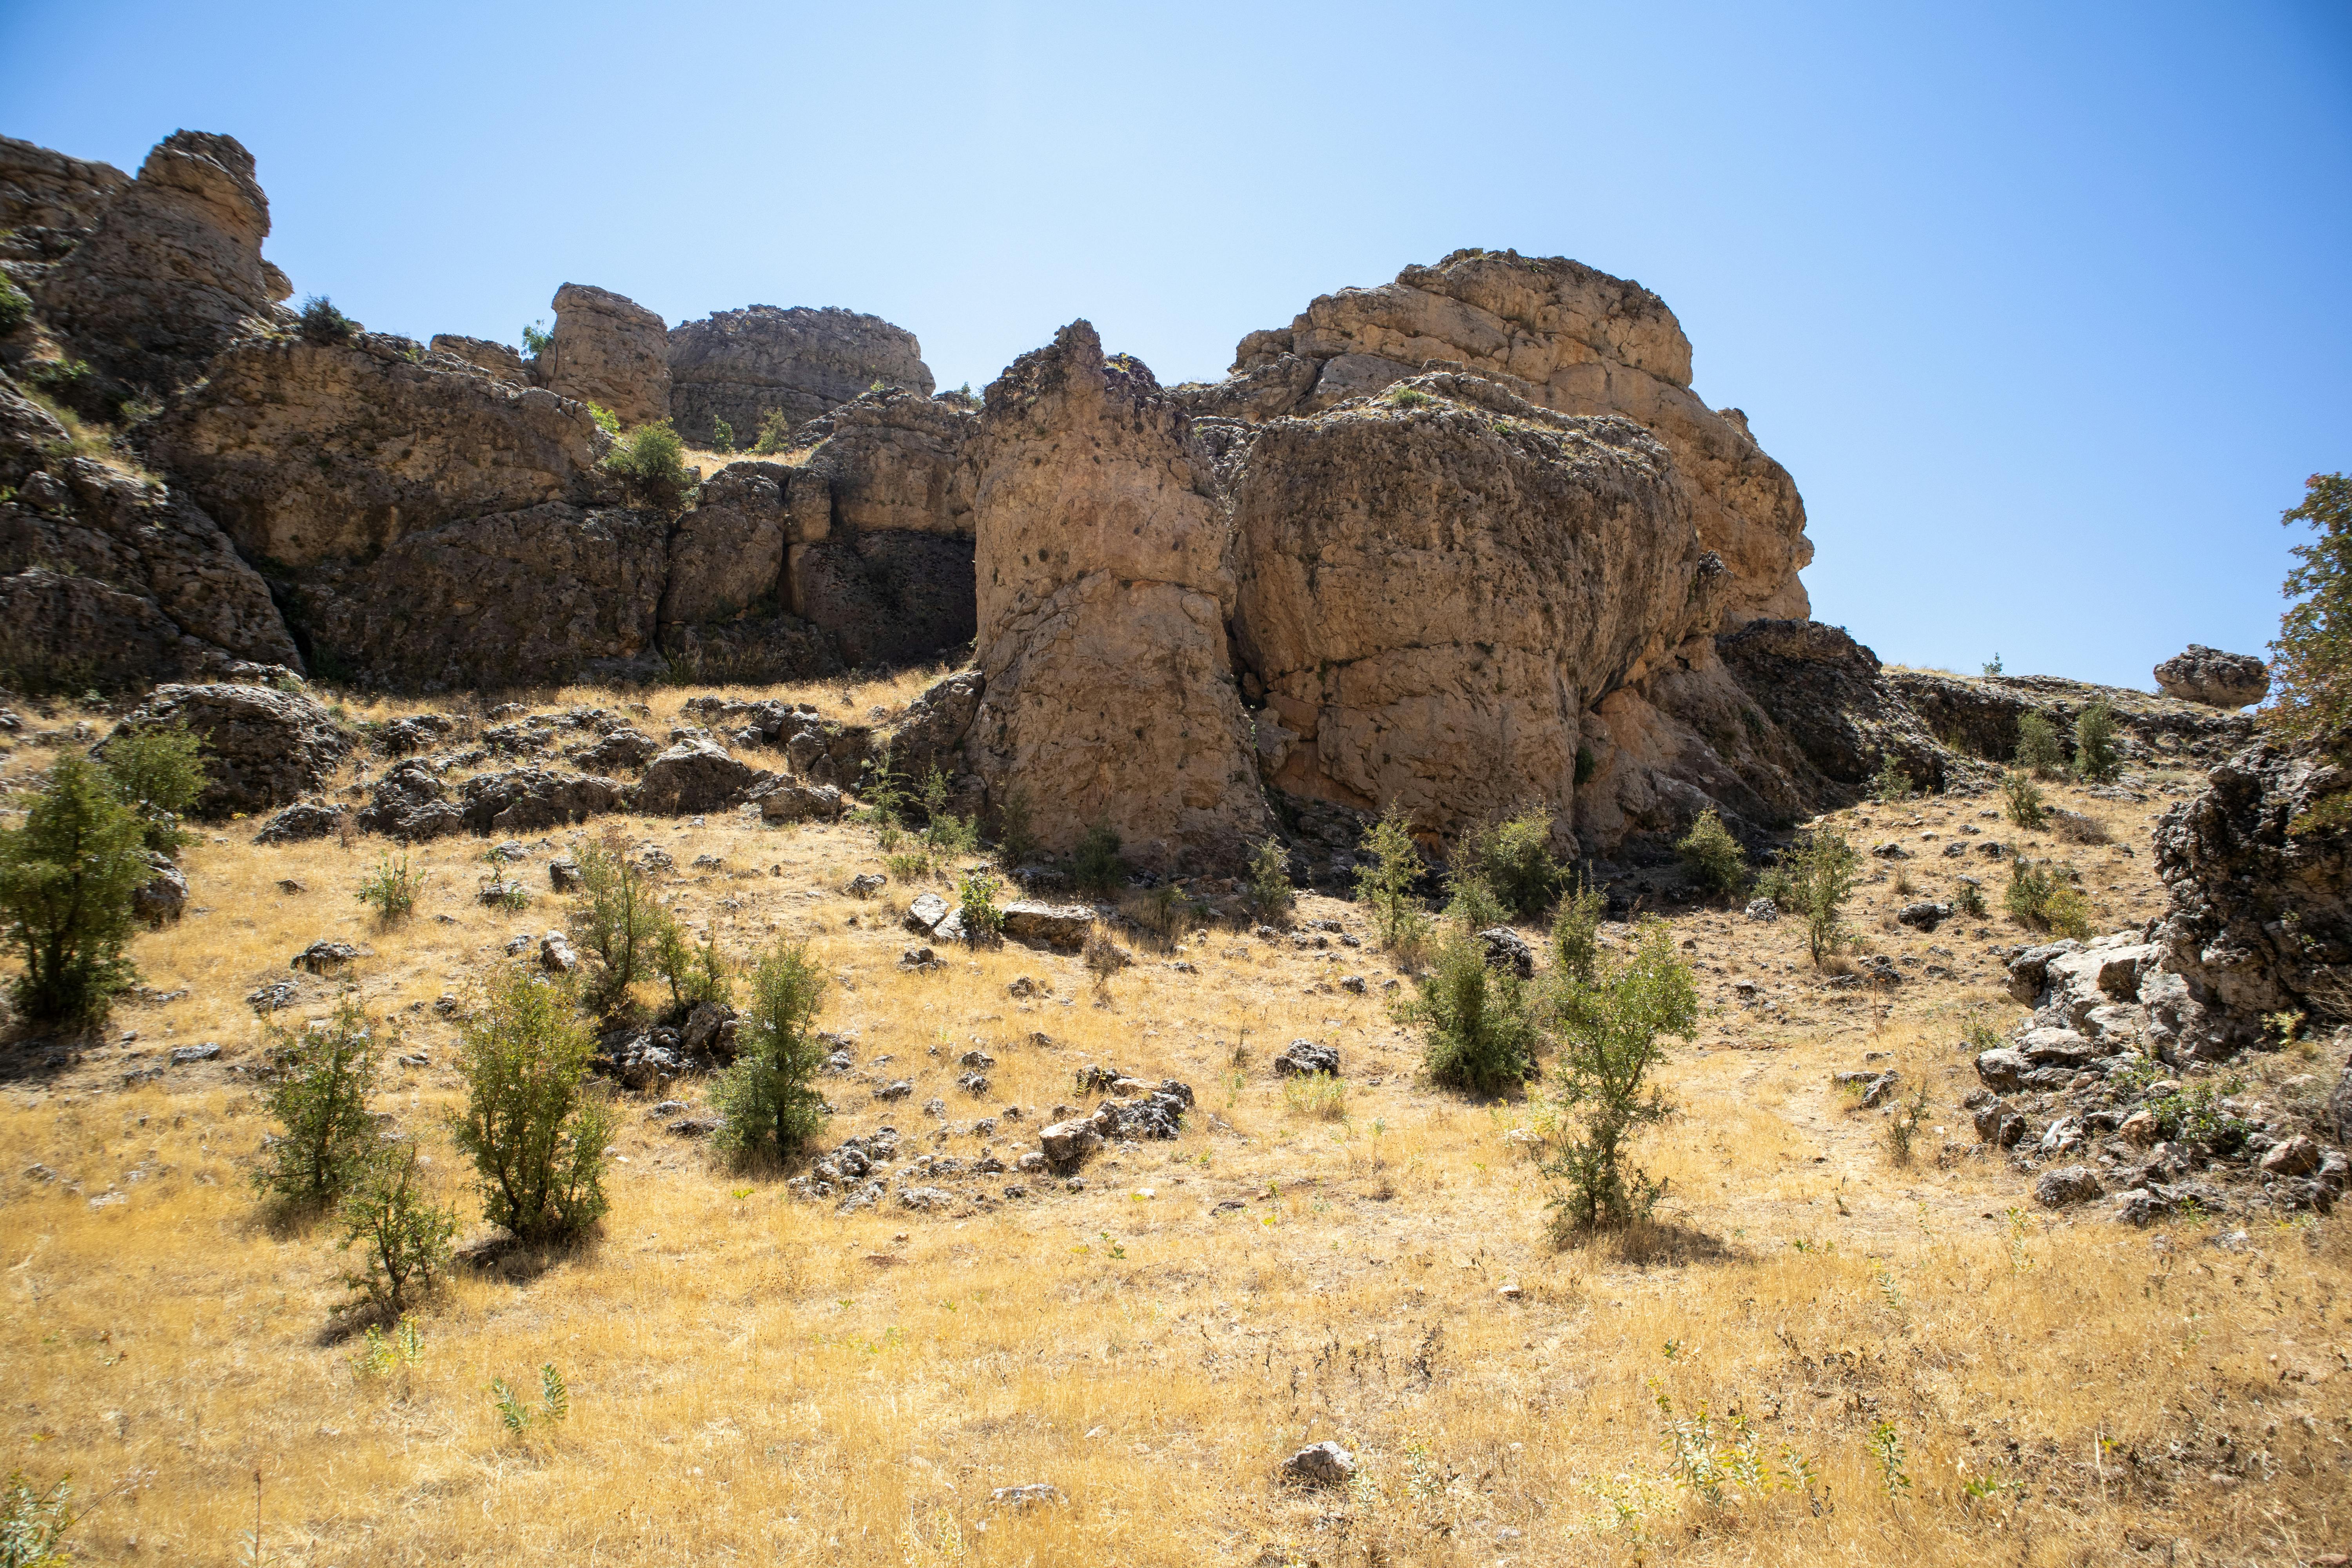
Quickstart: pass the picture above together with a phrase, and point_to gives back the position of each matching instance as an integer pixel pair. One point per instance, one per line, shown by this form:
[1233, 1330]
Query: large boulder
[48, 204]
[1435, 587]
[742, 365]
[172, 271]
[727, 555]
[525, 800]
[1561, 335]
[2260, 887]
[1828, 693]
[262, 747]
[690, 776]
[887, 459]
[885, 597]
[609, 351]
[2217, 679]
[502, 361]
[1104, 591]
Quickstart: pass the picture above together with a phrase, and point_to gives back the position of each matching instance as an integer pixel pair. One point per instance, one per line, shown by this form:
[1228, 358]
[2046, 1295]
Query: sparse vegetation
[775, 433]
[67, 876]
[322, 323]
[2097, 757]
[158, 773]
[768, 1098]
[1016, 833]
[402, 1237]
[1387, 864]
[2037, 750]
[1479, 1029]
[392, 887]
[1512, 858]
[1891, 786]
[650, 463]
[2042, 897]
[1267, 885]
[1098, 867]
[1576, 933]
[1319, 1096]
[1820, 874]
[2021, 802]
[534, 1129]
[2311, 663]
[34, 1523]
[1712, 859]
[695, 972]
[321, 1080]
[722, 435]
[16, 306]
[617, 925]
[536, 338]
[1611, 1028]
[1968, 897]
[978, 905]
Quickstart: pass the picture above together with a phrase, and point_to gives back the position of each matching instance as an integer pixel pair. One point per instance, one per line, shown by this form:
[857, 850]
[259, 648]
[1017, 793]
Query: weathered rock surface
[2217, 679]
[887, 459]
[610, 351]
[528, 799]
[690, 776]
[48, 204]
[727, 555]
[1561, 335]
[2260, 896]
[412, 804]
[1981, 713]
[740, 365]
[262, 747]
[502, 362]
[1433, 591]
[1104, 590]
[172, 271]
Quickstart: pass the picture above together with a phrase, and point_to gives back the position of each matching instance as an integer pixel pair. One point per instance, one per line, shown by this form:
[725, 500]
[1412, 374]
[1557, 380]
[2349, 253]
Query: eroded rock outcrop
[172, 272]
[1561, 335]
[262, 747]
[48, 205]
[502, 361]
[1434, 587]
[742, 365]
[610, 351]
[1104, 590]
[2217, 679]
[1980, 714]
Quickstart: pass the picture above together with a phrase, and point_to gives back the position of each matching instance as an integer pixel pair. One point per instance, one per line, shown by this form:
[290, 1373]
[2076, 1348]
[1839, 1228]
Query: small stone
[1030, 1494]
[185, 1055]
[866, 885]
[324, 957]
[1322, 1464]
[1762, 909]
[2298, 1156]
[2067, 1186]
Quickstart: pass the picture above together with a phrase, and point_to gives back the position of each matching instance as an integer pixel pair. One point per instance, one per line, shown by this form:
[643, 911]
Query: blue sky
[2046, 307]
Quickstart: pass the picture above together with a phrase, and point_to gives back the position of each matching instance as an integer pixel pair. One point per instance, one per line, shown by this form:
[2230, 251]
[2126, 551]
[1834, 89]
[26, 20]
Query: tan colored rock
[728, 553]
[1434, 588]
[498, 360]
[888, 459]
[1104, 590]
[48, 204]
[1561, 335]
[741, 365]
[172, 271]
[610, 351]
[2217, 679]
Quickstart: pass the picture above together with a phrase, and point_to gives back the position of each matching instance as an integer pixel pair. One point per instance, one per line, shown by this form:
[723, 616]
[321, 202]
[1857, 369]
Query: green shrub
[1016, 834]
[695, 972]
[775, 433]
[66, 878]
[650, 463]
[1819, 872]
[2021, 800]
[1968, 898]
[536, 338]
[1891, 784]
[1388, 865]
[1408, 397]
[2311, 659]
[1611, 1028]
[318, 1095]
[1479, 1029]
[1576, 932]
[617, 925]
[2042, 897]
[1268, 887]
[34, 1525]
[391, 888]
[1470, 904]
[16, 306]
[1587, 765]
[1098, 867]
[2037, 750]
[402, 1235]
[2096, 756]
[769, 1096]
[606, 420]
[1993, 665]
[1712, 858]
[322, 323]
[976, 903]
[722, 435]
[1513, 859]
[158, 773]
[533, 1128]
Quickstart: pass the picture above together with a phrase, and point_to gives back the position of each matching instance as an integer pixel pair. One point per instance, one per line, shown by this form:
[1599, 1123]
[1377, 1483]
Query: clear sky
[2047, 308]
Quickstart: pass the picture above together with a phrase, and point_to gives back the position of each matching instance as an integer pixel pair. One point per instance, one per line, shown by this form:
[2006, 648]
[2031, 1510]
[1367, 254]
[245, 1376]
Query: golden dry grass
[756, 1378]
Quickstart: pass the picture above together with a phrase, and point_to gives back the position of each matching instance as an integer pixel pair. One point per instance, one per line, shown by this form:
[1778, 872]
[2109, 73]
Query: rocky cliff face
[1104, 589]
[1560, 335]
[1436, 585]
[609, 351]
[742, 365]
[172, 271]
[48, 205]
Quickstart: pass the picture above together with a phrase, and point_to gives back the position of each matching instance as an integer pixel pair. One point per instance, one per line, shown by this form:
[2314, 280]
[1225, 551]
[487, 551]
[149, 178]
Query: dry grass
[757, 1379]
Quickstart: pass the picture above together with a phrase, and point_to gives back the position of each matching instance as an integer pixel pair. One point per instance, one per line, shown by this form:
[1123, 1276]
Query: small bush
[2021, 800]
[1820, 872]
[66, 878]
[1480, 1028]
[1712, 858]
[1408, 397]
[16, 306]
[1388, 865]
[908, 865]
[775, 431]
[534, 1130]
[1268, 887]
[158, 773]
[1513, 859]
[1576, 933]
[1903, 1128]
[322, 323]
[606, 420]
[1471, 904]
[1016, 834]
[536, 338]
[1968, 898]
[1993, 667]
[722, 435]
[1891, 784]
[2096, 756]
[650, 463]
[1611, 1028]
[1098, 867]
[1319, 1095]
[1102, 955]
[34, 1525]
[768, 1096]
[391, 888]
[976, 903]
[2037, 750]
[2042, 897]
[318, 1097]
[618, 925]
[695, 972]
[402, 1237]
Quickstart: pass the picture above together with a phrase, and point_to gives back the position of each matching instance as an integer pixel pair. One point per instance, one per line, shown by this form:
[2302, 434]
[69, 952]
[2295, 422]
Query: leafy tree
[66, 878]
[320, 1097]
[696, 972]
[775, 429]
[618, 924]
[534, 1130]
[2097, 757]
[402, 1235]
[722, 435]
[650, 463]
[1712, 858]
[1513, 857]
[158, 773]
[1480, 1030]
[1576, 932]
[769, 1096]
[1891, 784]
[2311, 661]
[2021, 801]
[1268, 887]
[1388, 865]
[1610, 1029]
[2037, 750]
[976, 907]
[536, 338]
[1820, 873]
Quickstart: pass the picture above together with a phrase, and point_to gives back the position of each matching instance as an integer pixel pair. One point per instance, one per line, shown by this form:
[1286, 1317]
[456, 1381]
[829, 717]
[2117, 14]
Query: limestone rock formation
[108, 579]
[1561, 335]
[1981, 713]
[741, 365]
[1433, 589]
[172, 271]
[262, 747]
[609, 351]
[1104, 590]
[2259, 893]
[48, 204]
[886, 460]
[501, 361]
[728, 553]
[2217, 679]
